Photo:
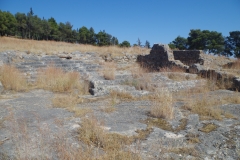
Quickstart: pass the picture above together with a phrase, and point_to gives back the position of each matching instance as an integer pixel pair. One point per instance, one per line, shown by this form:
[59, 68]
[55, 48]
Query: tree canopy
[30, 26]
[125, 44]
[210, 42]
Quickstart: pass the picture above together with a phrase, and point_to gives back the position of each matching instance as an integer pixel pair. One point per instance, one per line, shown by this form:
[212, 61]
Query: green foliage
[139, 43]
[21, 24]
[84, 35]
[147, 44]
[210, 41]
[125, 44]
[180, 43]
[232, 44]
[103, 38]
[114, 41]
[7, 23]
[171, 45]
[54, 33]
[32, 27]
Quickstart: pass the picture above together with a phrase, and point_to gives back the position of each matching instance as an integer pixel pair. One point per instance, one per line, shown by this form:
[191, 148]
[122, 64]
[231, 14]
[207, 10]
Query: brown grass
[141, 79]
[12, 78]
[162, 105]
[138, 71]
[56, 80]
[52, 47]
[234, 65]
[91, 133]
[208, 128]
[124, 96]
[192, 138]
[70, 101]
[108, 109]
[205, 106]
[108, 70]
[171, 69]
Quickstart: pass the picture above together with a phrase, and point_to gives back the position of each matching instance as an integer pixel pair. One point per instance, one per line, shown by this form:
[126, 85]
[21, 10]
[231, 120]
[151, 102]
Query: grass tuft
[91, 133]
[12, 78]
[56, 80]
[162, 105]
[70, 102]
[108, 70]
[208, 128]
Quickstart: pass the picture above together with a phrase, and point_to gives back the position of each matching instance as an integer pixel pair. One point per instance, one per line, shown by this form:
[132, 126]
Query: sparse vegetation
[162, 105]
[70, 101]
[108, 70]
[113, 144]
[52, 47]
[235, 65]
[205, 107]
[12, 78]
[120, 95]
[208, 128]
[164, 124]
[192, 138]
[141, 79]
[172, 69]
[96, 142]
[56, 80]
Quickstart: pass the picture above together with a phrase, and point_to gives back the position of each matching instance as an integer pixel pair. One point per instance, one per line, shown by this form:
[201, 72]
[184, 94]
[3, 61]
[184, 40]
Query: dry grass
[70, 102]
[192, 138]
[12, 78]
[108, 109]
[56, 80]
[208, 128]
[162, 105]
[114, 98]
[172, 69]
[184, 150]
[91, 133]
[141, 79]
[165, 125]
[235, 65]
[108, 70]
[124, 96]
[138, 71]
[205, 107]
[52, 47]
[179, 77]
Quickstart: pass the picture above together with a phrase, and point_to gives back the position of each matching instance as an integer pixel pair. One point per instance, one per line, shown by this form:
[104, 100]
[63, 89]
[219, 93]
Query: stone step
[31, 63]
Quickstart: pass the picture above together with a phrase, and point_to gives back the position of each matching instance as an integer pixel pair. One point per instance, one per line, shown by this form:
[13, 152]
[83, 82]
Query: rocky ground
[30, 126]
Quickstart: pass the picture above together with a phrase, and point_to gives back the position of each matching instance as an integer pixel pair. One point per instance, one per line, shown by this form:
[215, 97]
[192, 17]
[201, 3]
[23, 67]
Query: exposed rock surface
[1, 87]
[25, 118]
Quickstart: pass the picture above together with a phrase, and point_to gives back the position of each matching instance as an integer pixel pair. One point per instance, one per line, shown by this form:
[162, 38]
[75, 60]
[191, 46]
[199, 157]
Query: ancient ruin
[203, 122]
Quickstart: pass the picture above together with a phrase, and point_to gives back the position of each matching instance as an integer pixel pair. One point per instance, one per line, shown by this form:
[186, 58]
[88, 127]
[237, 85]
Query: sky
[158, 21]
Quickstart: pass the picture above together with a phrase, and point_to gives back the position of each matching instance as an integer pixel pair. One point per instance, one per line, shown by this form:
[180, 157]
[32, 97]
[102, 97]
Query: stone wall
[160, 56]
[189, 57]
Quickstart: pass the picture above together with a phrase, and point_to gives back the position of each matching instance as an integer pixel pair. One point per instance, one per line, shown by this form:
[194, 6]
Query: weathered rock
[236, 82]
[1, 87]
[196, 68]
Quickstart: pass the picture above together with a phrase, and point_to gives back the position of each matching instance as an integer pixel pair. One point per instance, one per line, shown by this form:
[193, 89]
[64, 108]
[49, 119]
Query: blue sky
[158, 21]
